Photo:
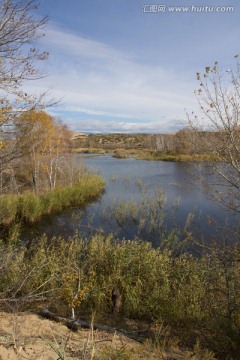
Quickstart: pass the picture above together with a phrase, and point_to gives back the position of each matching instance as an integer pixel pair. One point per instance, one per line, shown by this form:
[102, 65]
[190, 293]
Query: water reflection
[130, 205]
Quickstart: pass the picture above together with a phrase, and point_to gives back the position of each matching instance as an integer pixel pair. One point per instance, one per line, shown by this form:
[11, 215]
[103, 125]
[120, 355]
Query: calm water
[139, 182]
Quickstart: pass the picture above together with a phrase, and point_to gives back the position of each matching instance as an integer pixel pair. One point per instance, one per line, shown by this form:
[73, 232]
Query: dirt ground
[29, 336]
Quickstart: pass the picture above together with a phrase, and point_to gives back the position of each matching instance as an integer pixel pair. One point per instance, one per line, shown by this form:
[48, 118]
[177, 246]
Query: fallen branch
[75, 325]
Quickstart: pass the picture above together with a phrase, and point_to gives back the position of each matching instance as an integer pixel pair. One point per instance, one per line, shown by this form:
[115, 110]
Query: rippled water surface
[140, 182]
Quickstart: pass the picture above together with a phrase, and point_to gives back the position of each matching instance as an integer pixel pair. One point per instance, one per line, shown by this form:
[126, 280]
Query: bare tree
[19, 30]
[218, 131]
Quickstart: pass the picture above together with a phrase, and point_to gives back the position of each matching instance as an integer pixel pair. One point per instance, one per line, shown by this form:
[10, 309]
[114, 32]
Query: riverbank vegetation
[183, 146]
[196, 298]
[30, 207]
[91, 151]
[150, 155]
[44, 178]
[160, 156]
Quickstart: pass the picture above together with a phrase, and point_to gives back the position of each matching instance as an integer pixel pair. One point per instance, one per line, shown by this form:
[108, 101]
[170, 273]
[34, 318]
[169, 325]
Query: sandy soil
[28, 336]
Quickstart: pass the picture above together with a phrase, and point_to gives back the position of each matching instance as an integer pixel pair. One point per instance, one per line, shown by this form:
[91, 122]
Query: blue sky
[118, 69]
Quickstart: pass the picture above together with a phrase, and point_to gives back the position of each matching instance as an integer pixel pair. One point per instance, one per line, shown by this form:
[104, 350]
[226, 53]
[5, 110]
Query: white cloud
[96, 126]
[98, 80]
[78, 109]
[80, 46]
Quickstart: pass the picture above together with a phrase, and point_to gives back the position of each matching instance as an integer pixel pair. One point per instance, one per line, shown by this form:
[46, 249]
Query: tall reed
[29, 207]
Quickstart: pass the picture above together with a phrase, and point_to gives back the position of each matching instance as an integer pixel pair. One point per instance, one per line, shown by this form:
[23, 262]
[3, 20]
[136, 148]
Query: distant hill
[112, 141]
[183, 141]
[77, 135]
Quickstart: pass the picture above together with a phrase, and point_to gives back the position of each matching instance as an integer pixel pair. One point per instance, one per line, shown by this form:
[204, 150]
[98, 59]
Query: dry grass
[27, 336]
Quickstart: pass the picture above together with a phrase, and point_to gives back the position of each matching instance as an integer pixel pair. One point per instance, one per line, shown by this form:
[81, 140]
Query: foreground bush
[29, 207]
[196, 294]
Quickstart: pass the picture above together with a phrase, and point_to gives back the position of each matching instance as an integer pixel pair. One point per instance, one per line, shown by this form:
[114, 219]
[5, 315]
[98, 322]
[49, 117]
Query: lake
[144, 199]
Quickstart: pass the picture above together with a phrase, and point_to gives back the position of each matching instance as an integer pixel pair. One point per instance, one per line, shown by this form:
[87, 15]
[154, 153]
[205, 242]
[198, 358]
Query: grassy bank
[30, 207]
[198, 298]
[159, 156]
[145, 154]
[91, 151]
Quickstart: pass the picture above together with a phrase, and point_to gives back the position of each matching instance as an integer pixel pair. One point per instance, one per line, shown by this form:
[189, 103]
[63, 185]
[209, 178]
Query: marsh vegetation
[143, 262]
[166, 276]
[197, 294]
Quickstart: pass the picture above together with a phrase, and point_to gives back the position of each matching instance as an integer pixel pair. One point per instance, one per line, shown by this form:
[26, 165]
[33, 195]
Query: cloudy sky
[119, 67]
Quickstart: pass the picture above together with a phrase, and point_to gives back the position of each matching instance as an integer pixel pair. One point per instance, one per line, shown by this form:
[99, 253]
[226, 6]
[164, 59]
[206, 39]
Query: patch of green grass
[30, 207]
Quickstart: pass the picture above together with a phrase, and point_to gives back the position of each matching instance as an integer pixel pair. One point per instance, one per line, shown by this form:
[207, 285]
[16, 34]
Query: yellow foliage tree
[44, 142]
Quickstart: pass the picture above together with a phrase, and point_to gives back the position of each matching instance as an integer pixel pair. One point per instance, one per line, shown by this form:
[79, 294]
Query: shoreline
[145, 154]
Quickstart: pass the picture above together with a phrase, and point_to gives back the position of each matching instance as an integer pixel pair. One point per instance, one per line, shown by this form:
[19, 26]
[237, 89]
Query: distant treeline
[184, 141]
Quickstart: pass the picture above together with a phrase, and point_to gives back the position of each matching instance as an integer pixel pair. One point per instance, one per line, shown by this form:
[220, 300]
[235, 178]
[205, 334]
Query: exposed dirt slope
[28, 336]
